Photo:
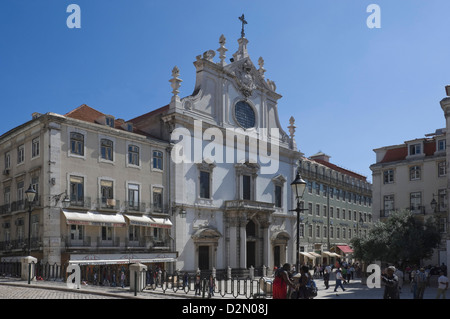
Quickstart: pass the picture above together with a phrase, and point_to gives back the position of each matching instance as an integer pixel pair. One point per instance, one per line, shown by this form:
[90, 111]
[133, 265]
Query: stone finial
[222, 50]
[175, 102]
[176, 81]
[261, 69]
[292, 127]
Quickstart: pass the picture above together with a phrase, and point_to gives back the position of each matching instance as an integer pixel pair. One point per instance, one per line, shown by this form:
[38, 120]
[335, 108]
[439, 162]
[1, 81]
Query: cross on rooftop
[242, 18]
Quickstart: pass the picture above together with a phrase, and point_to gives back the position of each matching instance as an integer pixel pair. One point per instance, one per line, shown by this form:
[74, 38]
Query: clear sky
[350, 88]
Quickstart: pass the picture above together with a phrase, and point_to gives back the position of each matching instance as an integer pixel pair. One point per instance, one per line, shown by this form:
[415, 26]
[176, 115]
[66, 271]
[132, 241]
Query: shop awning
[147, 221]
[314, 254]
[94, 219]
[345, 249]
[329, 253]
[307, 255]
[139, 220]
[161, 222]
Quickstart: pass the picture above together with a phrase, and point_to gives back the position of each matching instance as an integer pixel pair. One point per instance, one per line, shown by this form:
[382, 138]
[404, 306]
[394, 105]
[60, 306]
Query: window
[7, 160]
[77, 143]
[133, 155]
[106, 147]
[76, 232]
[205, 184]
[157, 160]
[133, 233]
[35, 147]
[106, 190]
[157, 198]
[133, 196]
[20, 154]
[415, 149]
[388, 205]
[317, 210]
[442, 200]
[388, 176]
[107, 233]
[20, 192]
[34, 226]
[442, 169]
[245, 115]
[246, 187]
[7, 197]
[416, 201]
[441, 145]
[278, 191]
[110, 121]
[414, 173]
[76, 190]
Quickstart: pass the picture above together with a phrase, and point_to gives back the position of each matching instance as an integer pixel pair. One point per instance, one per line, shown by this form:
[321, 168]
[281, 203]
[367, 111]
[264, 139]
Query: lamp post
[30, 194]
[433, 204]
[298, 188]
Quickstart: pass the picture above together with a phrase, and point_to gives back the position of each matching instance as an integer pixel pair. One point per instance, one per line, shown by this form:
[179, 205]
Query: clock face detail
[245, 115]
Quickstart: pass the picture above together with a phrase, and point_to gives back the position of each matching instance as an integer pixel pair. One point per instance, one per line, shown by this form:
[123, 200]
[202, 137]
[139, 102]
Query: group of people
[419, 279]
[289, 284]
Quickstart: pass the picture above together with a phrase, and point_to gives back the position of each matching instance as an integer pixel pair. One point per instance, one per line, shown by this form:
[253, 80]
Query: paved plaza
[19, 289]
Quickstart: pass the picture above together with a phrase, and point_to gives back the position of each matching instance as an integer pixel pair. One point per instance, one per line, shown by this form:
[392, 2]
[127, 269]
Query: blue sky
[350, 88]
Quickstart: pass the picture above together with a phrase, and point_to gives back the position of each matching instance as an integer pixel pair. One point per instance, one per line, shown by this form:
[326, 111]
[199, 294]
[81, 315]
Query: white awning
[139, 220]
[147, 221]
[94, 219]
[307, 255]
[161, 222]
[331, 254]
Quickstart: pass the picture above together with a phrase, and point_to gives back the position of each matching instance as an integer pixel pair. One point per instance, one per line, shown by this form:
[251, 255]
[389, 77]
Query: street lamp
[31, 194]
[433, 204]
[298, 187]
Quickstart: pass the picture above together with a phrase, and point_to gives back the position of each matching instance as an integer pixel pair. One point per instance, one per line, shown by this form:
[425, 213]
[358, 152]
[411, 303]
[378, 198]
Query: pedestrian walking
[442, 286]
[326, 276]
[421, 283]
[400, 277]
[339, 279]
[211, 285]
[197, 284]
[391, 284]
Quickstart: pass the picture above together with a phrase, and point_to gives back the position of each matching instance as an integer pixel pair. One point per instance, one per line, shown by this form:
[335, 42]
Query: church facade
[231, 165]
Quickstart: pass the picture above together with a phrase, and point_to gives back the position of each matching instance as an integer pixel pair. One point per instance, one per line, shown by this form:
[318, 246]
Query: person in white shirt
[339, 278]
[442, 286]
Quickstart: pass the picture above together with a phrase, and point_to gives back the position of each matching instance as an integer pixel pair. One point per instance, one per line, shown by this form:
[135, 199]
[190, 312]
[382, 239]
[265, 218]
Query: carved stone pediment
[247, 76]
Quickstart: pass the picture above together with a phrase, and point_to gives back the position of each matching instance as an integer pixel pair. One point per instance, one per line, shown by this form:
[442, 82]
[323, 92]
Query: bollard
[135, 283]
[29, 273]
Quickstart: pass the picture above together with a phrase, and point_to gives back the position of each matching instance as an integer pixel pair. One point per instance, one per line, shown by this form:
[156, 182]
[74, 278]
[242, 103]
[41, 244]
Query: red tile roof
[85, 113]
[400, 153]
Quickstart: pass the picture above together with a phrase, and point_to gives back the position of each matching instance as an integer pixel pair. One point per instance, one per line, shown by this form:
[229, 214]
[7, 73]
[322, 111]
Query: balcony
[249, 205]
[20, 205]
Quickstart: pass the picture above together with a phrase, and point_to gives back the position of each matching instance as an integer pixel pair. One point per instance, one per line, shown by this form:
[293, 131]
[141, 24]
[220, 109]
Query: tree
[402, 238]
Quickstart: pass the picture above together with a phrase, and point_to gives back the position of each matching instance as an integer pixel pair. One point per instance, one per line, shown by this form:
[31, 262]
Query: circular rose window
[244, 114]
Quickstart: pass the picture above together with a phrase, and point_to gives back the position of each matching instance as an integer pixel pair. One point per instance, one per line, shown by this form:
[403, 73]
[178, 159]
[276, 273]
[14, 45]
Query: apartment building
[338, 205]
[101, 191]
[413, 176]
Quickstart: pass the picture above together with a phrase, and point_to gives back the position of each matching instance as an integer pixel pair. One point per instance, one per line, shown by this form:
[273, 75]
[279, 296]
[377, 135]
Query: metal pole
[29, 230]
[298, 236]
